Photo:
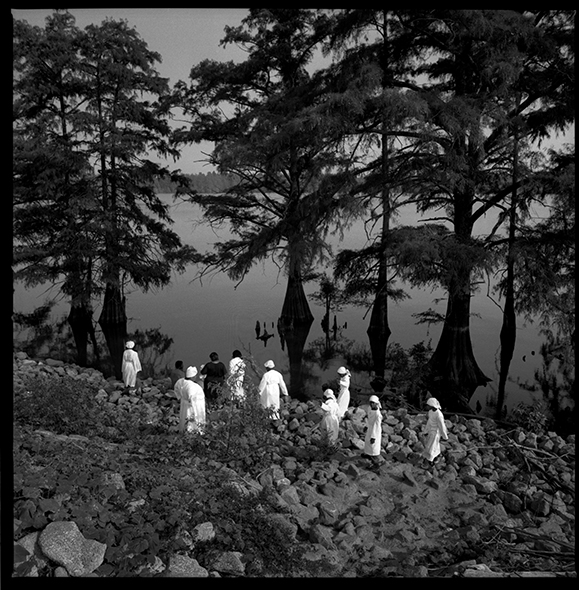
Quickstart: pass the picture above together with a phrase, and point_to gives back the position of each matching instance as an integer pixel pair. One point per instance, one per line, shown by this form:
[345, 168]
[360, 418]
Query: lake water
[215, 314]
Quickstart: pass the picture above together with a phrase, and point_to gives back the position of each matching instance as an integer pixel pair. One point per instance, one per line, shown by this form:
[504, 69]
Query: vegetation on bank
[184, 478]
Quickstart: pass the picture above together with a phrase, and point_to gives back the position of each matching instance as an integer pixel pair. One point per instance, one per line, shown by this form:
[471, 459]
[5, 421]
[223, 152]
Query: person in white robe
[271, 386]
[330, 424]
[434, 430]
[192, 414]
[236, 376]
[344, 392]
[373, 439]
[131, 365]
[184, 406]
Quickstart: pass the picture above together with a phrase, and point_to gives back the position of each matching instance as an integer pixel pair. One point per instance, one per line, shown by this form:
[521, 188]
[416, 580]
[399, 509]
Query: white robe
[270, 387]
[434, 429]
[344, 394]
[192, 410]
[235, 379]
[130, 367]
[330, 423]
[374, 431]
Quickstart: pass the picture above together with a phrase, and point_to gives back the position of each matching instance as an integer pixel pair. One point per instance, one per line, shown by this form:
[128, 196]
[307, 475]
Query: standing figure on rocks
[192, 411]
[215, 373]
[330, 425]
[131, 365]
[373, 440]
[177, 373]
[435, 429]
[344, 393]
[236, 375]
[184, 406]
[270, 388]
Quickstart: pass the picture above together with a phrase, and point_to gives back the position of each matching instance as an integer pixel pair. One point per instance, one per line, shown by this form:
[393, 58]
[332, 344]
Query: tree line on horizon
[202, 182]
[444, 110]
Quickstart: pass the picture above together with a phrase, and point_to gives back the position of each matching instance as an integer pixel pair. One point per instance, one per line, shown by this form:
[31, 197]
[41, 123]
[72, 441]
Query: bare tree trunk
[378, 329]
[453, 373]
[294, 325]
[508, 334]
[80, 321]
[113, 322]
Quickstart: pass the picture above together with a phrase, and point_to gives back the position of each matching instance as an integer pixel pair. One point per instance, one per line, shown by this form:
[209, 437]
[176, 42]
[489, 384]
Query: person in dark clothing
[214, 372]
[177, 373]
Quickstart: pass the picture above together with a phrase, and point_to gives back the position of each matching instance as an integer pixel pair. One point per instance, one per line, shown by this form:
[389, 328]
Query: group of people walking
[193, 387]
[335, 407]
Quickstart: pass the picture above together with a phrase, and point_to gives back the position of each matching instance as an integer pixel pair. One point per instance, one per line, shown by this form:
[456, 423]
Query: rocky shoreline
[518, 484]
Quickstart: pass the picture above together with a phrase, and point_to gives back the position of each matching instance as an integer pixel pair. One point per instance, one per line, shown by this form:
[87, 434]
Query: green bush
[533, 418]
[236, 433]
[243, 523]
[60, 404]
[65, 405]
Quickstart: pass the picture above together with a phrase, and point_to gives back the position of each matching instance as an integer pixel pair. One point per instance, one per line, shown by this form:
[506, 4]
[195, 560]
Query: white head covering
[269, 365]
[329, 393]
[432, 401]
[130, 344]
[374, 398]
[191, 372]
[342, 371]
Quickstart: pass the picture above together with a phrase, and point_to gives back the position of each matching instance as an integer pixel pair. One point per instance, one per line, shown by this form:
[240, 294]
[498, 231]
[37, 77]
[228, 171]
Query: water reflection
[218, 316]
[265, 336]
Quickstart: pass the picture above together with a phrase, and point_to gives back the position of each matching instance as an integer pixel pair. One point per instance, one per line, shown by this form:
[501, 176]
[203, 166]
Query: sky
[182, 36]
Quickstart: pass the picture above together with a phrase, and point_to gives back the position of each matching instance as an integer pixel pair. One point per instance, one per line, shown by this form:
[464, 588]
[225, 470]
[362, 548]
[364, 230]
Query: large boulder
[63, 543]
[183, 566]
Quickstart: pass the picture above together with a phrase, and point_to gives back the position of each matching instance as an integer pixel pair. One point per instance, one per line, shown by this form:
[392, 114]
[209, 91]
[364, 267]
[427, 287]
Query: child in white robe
[435, 429]
[330, 424]
[344, 392]
[373, 440]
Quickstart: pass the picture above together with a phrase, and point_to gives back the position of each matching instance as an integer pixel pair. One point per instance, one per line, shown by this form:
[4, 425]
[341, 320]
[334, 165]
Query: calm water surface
[216, 314]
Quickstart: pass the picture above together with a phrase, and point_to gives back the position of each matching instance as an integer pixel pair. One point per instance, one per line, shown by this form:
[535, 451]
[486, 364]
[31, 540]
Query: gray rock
[294, 424]
[184, 539]
[482, 486]
[63, 543]
[290, 495]
[38, 561]
[60, 572]
[203, 532]
[229, 562]
[157, 567]
[323, 535]
[115, 396]
[308, 494]
[110, 478]
[353, 471]
[511, 502]
[376, 508]
[540, 506]
[329, 512]
[328, 562]
[182, 566]
[54, 363]
[304, 515]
